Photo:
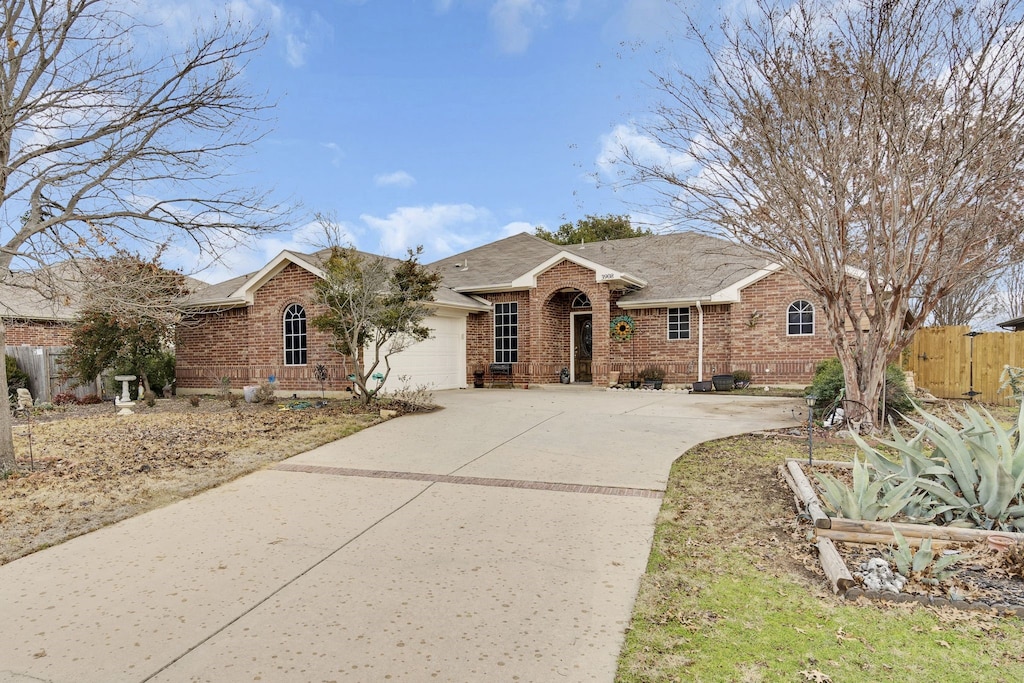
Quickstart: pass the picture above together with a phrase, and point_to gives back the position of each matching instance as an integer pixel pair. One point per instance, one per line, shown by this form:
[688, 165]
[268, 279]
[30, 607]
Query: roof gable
[241, 291]
[674, 268]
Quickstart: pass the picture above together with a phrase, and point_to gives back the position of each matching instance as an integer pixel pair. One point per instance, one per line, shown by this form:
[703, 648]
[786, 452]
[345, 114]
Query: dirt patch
[85, 467]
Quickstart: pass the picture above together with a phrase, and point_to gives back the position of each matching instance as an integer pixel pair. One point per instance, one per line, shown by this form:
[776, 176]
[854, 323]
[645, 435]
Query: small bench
[502, 370]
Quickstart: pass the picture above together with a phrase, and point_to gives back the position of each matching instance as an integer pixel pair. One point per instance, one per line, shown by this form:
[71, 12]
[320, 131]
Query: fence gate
[43, 367]
[948, 362]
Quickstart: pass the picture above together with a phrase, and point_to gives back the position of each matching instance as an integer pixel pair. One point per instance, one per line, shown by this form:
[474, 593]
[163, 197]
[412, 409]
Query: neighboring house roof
[675, 268]
[1014, 325]
[241, 291]
[48, 294]
[52, 293]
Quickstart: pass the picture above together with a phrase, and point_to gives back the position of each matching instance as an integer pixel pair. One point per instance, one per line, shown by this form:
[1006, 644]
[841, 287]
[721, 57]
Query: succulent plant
[924, 565]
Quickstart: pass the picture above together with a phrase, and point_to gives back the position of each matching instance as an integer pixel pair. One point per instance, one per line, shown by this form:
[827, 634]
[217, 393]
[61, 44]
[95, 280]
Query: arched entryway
[582, 340]
[567, 334]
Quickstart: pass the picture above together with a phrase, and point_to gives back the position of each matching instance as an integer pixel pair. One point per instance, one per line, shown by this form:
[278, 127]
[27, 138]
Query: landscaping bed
[985, 578]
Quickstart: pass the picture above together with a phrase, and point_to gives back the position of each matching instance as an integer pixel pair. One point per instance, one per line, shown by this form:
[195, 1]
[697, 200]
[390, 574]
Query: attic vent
[581, 301]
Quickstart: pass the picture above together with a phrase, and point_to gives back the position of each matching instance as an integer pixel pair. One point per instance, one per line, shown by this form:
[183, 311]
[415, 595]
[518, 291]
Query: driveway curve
[499, 539]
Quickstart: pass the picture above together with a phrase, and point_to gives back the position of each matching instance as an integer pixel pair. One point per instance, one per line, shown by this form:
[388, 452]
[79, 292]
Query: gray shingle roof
[220, 294]
[52, 293]
[677, 267]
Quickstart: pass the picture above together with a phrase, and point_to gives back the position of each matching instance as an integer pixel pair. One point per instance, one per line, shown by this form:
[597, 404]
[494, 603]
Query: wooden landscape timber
[829, 530]
[835, 568]
[806, 493]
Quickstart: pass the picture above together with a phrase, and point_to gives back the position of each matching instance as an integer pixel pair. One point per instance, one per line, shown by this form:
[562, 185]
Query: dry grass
[93, 467]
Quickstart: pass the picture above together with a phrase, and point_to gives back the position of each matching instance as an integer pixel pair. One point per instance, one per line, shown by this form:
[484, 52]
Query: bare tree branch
[101, 144]
[873, 149]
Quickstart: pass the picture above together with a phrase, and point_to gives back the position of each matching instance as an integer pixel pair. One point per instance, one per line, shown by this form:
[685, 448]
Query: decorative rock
[877, 575]
[388, 414]
[125, 411]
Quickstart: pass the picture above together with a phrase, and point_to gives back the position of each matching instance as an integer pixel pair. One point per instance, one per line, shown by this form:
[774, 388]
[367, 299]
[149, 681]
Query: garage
[438, 362]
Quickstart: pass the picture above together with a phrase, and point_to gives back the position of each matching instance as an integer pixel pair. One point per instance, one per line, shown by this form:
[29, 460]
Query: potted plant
[741, 378]
[723, 382]
[653, 376]
[478, 374]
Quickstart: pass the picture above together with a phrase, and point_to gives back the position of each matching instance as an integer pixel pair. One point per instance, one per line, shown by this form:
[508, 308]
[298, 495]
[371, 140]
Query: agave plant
[985, 470]
[923, 565]
[870, 498]
[972, 476]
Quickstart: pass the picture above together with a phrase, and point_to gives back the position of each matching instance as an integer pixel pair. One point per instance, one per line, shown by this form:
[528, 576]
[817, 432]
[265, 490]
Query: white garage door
[438, 362]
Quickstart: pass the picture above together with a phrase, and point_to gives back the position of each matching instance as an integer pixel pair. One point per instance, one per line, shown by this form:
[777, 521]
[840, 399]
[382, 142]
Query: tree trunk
[7, 461]
[864, 384]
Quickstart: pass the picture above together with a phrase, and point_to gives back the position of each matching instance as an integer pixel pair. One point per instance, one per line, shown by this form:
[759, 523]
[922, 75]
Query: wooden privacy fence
[42, 365]
[942, 360]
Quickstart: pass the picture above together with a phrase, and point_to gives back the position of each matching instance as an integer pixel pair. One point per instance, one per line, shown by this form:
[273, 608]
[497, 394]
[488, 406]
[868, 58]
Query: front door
[583, 342]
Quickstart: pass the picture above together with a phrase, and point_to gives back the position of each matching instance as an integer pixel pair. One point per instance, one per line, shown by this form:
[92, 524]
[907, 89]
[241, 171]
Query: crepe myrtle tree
[873, 149]
[109, 132]
[373, 307]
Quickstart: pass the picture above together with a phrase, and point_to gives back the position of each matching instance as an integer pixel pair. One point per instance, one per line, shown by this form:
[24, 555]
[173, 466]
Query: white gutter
[700, 342]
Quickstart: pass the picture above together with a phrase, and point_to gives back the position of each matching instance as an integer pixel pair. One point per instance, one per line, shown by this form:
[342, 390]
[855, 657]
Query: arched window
[800, 318]
[581, 301]
[295, 335]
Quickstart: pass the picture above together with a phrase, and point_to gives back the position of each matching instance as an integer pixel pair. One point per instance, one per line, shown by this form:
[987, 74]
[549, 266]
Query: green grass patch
[733, 592]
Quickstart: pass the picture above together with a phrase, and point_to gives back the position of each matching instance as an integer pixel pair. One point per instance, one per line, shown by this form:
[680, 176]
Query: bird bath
[125, 398]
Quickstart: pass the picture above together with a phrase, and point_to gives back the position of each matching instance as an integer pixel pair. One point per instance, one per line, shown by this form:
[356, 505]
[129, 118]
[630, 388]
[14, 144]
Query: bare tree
[1013, 290]
[873, 149]
[974, 298]
[100, 143]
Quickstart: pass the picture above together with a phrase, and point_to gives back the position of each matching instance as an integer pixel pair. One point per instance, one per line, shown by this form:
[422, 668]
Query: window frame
[678, 322]
[806, 318]
[295, 343]
[506, 332]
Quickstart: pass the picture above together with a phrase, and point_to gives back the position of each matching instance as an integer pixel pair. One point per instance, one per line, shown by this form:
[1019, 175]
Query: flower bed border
[807, 502]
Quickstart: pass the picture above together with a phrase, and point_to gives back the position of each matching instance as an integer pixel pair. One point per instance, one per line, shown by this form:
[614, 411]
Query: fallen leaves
[97, 468]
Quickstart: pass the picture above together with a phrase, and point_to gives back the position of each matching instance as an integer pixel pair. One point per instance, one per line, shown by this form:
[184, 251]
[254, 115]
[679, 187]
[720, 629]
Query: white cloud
[396, 179]
[644, 149]
[646, 18]
[250, 256]
[294, 33]
[516, 227]
[336, 152]
[514, 22]
[442, 229]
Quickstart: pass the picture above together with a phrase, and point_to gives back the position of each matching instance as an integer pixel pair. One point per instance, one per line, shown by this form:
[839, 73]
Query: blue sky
[446, 123]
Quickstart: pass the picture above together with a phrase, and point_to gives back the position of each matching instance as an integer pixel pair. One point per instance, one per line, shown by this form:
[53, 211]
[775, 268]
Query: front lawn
[733, 592]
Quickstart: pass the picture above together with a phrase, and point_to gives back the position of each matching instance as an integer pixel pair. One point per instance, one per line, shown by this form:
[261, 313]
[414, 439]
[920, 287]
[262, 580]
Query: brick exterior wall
[751, 335]
[38, 333]
[247, 344]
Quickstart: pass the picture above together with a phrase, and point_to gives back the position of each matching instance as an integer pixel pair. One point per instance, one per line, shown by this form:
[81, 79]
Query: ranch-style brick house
[695, 305]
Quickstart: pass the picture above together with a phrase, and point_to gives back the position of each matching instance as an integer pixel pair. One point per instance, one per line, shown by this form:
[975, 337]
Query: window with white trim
[679, 323]
[800, 318]
[506, 332]
[295, 335]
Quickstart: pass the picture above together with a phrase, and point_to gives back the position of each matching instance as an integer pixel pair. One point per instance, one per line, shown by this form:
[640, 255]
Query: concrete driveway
[501, 539]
